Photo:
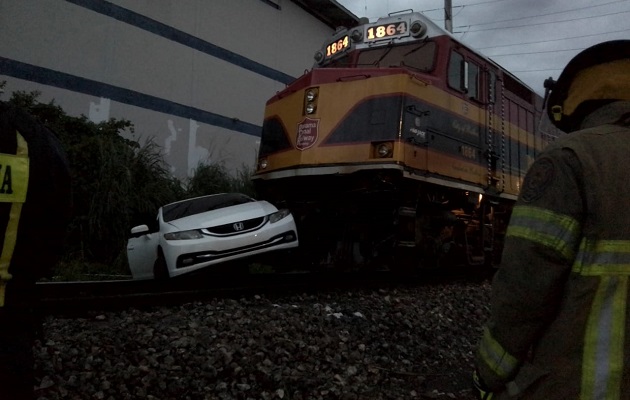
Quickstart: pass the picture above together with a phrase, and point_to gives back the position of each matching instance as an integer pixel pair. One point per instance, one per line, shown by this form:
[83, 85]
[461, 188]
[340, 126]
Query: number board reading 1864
[385, 31]
[337, 46]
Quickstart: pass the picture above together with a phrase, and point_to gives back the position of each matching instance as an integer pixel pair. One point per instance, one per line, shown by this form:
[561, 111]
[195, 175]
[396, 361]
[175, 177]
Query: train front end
[332, 141]
[397, 142]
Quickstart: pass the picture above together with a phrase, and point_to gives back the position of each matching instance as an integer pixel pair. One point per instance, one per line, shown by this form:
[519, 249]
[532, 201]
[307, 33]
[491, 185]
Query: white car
[205, 231]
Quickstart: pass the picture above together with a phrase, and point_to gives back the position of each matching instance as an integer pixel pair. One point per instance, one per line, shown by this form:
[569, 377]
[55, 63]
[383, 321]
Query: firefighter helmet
[600, 73]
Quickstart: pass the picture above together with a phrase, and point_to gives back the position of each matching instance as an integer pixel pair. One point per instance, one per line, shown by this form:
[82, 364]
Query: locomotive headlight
[356, 35]
[319, 57]
[384, 150]
[310, 100]
[310, 108]
[418, 29]
[311, 94]
[262, 163]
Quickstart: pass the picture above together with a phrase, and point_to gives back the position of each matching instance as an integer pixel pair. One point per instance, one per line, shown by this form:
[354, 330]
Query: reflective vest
[561, 323]
[14, 173]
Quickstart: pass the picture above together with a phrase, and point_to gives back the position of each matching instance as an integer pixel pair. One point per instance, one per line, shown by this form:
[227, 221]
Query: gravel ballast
[402, 343]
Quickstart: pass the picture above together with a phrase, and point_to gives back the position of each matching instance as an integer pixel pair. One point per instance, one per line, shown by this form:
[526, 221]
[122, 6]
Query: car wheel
[160, 269]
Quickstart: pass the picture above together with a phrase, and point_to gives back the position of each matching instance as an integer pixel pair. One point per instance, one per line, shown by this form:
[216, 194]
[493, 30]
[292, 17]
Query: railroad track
[72, 298]
[82, 296]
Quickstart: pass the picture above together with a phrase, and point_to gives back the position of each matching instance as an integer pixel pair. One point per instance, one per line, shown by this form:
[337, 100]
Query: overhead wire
[465, 5]
[535, 70]
[545, 23]
[534, 52]
[473, 28]
[540, 15]
[552, 40]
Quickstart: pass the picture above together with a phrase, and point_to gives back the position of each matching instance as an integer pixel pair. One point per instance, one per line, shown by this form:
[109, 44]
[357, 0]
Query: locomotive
[402, 146]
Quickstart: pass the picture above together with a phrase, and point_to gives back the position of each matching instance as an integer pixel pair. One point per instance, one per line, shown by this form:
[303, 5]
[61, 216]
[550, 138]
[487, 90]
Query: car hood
[221, 216]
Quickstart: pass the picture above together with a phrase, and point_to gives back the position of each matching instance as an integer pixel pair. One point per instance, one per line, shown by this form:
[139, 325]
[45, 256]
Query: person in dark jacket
[35, 203]
[560, 318]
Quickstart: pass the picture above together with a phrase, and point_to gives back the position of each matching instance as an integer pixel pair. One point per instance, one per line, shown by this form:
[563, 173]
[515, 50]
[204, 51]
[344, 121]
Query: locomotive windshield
[419, 56]
[342, 62]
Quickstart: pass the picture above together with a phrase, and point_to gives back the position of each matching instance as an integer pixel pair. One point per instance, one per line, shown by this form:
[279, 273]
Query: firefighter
[35, 201]
[560, 319]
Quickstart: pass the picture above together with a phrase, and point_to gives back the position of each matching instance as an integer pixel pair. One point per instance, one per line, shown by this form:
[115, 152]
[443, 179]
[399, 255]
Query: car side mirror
[139, 230]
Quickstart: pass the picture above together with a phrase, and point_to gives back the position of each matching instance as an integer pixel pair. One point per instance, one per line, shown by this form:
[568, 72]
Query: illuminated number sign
[386, 31]
[337, 46]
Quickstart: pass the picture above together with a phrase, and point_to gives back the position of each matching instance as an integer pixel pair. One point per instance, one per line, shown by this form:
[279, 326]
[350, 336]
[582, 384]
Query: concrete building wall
[193, 75]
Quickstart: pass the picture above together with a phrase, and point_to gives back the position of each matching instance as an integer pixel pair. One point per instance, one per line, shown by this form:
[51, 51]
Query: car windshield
[202, 204]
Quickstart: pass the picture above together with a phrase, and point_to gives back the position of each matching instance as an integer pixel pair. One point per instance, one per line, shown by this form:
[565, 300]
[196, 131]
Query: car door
[142, 253]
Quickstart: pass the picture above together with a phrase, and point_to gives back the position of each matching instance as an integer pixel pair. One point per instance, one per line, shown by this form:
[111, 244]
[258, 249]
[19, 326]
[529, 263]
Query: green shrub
[117, 184]
[215, 178]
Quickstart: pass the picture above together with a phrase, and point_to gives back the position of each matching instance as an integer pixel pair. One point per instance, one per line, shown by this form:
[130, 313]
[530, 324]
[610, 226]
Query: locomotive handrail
[415, 79]
[454, 138]
[353, 77]
[285, 93]
[414, 110]
[416, 142]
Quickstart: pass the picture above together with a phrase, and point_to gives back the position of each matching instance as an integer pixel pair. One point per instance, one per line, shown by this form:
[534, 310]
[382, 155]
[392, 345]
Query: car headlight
[278, 215]
[183, 235]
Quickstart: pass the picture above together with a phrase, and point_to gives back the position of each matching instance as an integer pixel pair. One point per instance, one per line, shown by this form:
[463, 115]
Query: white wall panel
[192, 74]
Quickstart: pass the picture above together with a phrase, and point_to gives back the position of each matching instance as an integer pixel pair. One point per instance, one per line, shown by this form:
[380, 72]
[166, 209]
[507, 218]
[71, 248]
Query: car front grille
[190, 259]
[236, 227]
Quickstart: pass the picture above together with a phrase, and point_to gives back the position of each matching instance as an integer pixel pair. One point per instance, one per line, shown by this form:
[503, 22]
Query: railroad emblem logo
[307, 132]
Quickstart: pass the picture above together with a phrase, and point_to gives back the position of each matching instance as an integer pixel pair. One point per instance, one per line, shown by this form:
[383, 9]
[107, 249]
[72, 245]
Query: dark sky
[534, 39]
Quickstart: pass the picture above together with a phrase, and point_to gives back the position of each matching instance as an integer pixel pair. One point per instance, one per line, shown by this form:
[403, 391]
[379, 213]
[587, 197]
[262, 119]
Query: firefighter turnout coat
[35, 206]
[560, 323]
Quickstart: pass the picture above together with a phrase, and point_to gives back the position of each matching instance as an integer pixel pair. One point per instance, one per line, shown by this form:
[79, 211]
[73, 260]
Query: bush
[117, 184]
[214, 178]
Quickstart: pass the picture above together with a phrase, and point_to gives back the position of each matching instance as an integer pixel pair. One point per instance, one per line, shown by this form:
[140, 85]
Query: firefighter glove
[481, 390]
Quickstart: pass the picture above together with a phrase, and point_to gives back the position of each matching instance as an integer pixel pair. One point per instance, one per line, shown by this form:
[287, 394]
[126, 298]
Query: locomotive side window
[456, 71]
[463, 76]
[472, 80]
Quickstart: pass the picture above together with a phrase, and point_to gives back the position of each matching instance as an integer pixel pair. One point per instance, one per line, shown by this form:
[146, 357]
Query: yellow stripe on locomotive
[337, 101]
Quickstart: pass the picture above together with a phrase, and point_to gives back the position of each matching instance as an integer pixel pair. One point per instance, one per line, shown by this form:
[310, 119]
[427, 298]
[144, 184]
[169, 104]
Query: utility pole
[448, 15]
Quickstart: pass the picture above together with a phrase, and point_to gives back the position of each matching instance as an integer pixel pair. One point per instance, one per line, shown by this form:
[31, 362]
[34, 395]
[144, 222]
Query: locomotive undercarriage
[371, 220]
